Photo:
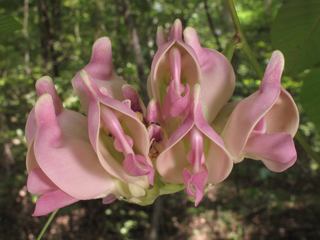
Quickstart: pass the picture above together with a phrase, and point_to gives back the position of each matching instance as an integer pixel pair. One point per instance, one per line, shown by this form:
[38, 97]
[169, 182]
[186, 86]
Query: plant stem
[47, 224]
[240, 37]
[228, 51]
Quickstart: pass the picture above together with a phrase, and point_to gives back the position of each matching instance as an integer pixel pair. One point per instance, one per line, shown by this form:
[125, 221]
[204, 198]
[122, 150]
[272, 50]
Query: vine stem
[243, 44]
[47, 224]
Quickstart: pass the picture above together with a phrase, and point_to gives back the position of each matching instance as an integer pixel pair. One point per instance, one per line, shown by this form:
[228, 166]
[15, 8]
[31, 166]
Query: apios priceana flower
[61, 162]
[187, 137]
[177, 67]
[262, 126]
[195, 153]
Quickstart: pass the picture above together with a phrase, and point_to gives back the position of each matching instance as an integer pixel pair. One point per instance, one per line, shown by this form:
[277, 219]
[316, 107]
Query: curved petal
[31, 127]
[100, 68]
[277, 151]
[218, 78]
[249, 111]
[131, 94]
[218, 160]
[69, 161]
[173, 159]
[160, 76]
[38, 183]
[161, 36]
[126, 119]
[284, 115]
[43, 85]
[51, 202]
[195, 184]
[31, 161]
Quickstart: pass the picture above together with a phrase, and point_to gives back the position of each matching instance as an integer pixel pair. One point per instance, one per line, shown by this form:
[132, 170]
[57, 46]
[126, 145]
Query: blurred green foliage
[56, 40]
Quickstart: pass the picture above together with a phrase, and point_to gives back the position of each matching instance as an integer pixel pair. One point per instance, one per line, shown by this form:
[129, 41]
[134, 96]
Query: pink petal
[260, 128]
[160, 69]
[174, 158]
[151, 114]
[154, 132]
[52, 201]
[284, 115]
[218, 160]
[198, 181]
[38, 183]
[31, 127]
[100, 68]
[277, 151]
[109, 199]
[111, 111]
[43, 85]
[69, 161]
[249, 111]
[131, 93]
[217, 76]
[133, 166]
[173, 104]
[31, 161]
[196, 155]
[161, 36]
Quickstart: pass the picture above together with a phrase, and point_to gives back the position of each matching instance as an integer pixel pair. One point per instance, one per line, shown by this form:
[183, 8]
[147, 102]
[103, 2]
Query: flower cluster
[187, 137]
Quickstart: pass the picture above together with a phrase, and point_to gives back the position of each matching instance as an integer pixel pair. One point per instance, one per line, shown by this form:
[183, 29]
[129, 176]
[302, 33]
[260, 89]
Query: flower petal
[195, 184]
[116, 117]
[249, 111]
[277, 151]
[100, 68]
[218, 78]
[131, 93]
[43, 85]
[218, 160]
[38, 183]
[52, 201]
[69, 161]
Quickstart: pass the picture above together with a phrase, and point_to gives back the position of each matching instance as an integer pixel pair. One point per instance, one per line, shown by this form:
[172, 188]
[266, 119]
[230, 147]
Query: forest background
[39, 37]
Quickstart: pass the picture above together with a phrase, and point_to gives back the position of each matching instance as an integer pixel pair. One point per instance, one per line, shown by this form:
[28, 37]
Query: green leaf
[8, 24]
[310, 96]
[296, 32]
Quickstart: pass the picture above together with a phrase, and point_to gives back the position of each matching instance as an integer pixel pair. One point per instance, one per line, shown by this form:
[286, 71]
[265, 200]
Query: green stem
[228, 51]
[47, 224]
[240, 37]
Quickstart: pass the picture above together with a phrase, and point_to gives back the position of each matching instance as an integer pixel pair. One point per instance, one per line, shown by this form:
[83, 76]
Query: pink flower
[177, 67]
[61, 162]
[100, 69]
[118, 136]
[262, 125]
[195, 153]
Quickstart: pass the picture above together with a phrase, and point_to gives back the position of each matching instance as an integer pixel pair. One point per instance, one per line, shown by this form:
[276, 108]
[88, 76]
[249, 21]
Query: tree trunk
[26, 35]
[155, 221]
[48, 37]
[135, 43]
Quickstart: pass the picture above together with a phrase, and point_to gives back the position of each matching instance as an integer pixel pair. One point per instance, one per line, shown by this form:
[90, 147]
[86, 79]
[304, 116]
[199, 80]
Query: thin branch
[47, 224]
[26, 35]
